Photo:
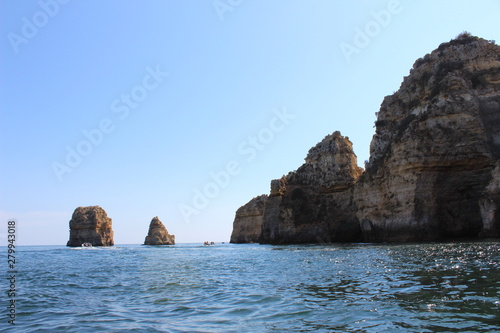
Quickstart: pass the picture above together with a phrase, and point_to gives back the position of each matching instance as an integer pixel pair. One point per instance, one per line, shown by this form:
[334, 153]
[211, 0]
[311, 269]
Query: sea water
[445, 287]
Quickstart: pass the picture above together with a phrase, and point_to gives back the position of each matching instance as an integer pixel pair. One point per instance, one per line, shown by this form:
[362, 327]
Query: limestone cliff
[247, 225]
[158, 234]
[434, 167]
[90, 225]
[490, 206]
[437, 141]
[313, 203]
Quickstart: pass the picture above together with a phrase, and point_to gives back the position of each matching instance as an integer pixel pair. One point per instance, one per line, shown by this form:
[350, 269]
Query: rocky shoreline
[433, 173]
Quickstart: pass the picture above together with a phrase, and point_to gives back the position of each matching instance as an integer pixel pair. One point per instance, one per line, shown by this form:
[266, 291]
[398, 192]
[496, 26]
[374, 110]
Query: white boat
[87, 245]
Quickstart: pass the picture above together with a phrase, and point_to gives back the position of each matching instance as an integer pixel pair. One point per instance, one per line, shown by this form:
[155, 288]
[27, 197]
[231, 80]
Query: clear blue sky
[89, 115]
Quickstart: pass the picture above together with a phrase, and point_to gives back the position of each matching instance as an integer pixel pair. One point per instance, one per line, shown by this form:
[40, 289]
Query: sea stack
[158, 234]
[434, 167]
[90, 225]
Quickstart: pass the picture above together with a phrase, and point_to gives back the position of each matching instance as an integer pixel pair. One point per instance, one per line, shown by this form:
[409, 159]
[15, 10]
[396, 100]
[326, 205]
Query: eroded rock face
[490, 206]
[247, 225]
[434, 167]
[90, 225]
[437, 141]
[313, 203]
[158, 234]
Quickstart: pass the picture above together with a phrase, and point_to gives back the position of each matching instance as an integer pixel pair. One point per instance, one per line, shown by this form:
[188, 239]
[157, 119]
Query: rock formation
[90, 225]
[490, 206]
[434, 167]
[313, 203]
[158, 234]
[437, 141]
[247, 226]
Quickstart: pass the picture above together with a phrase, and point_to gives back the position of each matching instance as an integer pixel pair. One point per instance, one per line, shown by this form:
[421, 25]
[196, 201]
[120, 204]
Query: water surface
[452, 287]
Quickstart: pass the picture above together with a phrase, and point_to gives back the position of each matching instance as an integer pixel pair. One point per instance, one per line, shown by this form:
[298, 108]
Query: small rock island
[158, 234]
[90, 225]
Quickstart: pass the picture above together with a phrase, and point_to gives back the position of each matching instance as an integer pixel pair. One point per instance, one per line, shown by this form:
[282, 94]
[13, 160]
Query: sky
[186, 110]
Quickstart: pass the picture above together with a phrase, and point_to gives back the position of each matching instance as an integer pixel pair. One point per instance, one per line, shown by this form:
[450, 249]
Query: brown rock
[90, 225]
[247, 225]
[436, 143]
[434, 162]
[313, 203]
[158, 234]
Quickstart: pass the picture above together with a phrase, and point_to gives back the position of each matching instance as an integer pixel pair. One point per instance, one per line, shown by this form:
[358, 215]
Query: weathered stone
[490, 206]
[158, 234]
[433, 171]
[90, 225]
[247, 225]
[313, 203]
[436, 143]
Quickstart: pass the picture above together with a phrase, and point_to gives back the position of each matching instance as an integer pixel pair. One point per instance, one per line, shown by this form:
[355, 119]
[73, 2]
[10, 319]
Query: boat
[87, 245]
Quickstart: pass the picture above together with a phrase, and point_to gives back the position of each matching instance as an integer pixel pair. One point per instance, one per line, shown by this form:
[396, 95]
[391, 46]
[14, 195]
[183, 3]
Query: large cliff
[90, 225]
[433, 171]
[436, 144]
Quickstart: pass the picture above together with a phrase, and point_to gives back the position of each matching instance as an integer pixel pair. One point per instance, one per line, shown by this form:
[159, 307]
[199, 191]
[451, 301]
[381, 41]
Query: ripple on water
[188, 288]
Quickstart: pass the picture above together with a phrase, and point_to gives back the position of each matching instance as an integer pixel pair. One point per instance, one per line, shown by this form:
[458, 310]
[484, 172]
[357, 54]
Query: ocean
[434, 287]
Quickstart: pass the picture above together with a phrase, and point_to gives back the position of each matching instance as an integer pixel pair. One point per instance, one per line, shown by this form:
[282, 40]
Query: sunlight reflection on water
[233, 288]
